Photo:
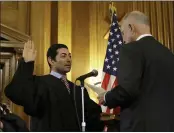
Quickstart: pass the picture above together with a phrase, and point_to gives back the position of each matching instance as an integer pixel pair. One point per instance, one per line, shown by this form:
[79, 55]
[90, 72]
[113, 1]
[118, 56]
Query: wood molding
[13, 34]
[5, 56]
[12, 44]
[3, 61]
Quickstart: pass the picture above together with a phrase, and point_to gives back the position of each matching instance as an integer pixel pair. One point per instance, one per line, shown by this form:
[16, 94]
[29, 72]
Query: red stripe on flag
[115, 83]
[116, 111]
[105, 81]
[108, 111]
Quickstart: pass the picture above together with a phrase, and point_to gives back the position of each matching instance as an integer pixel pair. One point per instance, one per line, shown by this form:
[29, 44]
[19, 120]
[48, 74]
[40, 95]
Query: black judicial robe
[47, 99]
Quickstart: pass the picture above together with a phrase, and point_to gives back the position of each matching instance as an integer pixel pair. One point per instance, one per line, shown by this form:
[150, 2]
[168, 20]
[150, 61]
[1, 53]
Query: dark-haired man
[50, 98]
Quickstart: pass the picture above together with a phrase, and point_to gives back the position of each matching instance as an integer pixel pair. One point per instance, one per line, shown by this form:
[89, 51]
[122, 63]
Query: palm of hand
[29, 52]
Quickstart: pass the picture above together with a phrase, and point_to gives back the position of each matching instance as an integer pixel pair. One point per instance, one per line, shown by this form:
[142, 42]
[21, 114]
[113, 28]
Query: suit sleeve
[23, 89]
[93, 113]
[129, 77]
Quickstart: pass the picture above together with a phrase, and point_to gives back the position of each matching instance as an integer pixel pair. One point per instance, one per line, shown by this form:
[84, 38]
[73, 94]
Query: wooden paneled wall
[32, 18]
[87, 28]
[16, 15]
[81, 26]
[161, 15]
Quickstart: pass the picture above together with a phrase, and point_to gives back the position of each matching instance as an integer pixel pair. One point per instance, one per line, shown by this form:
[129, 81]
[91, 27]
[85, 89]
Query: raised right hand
[29, 52]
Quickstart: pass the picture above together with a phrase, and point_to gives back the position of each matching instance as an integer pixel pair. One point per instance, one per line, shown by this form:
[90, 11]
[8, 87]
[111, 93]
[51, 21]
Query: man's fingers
[29, 45]
[26, 45]
[1, 125]
[32, 45]
[101, 101]
[34, 54]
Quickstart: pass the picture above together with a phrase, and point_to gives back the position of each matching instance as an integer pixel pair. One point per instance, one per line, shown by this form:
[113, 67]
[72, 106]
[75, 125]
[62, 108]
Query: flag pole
[112, 9]
[110, 36]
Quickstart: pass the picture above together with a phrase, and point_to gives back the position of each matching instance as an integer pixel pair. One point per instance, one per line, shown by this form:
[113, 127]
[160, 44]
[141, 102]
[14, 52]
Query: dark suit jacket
[146, 87]
[47, 99]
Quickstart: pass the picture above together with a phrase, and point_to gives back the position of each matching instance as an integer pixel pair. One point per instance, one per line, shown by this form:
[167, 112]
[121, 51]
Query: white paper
[96, 89]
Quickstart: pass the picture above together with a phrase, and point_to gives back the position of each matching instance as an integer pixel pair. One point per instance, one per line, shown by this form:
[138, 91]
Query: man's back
[153, 109]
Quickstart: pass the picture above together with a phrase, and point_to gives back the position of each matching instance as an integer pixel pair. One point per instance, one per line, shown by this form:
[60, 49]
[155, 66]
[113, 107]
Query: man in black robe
[146, 80]
[51, 99]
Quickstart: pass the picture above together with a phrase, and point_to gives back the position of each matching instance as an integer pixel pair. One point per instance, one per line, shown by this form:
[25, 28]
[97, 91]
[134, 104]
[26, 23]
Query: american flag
[109, 77]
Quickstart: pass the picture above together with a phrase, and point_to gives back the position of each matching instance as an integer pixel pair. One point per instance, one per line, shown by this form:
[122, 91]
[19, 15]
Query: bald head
[133, 25]
[137, 17]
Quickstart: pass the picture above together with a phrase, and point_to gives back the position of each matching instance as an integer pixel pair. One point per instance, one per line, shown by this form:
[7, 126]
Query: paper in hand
[96, 89]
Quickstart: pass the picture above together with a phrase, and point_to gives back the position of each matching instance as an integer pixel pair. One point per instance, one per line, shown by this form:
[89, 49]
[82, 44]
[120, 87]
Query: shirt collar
[144, 35]
[56, 74]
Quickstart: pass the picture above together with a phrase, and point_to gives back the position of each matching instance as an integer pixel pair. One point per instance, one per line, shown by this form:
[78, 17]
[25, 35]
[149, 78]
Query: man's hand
[1, 125]
[29, 52]
[101, 98]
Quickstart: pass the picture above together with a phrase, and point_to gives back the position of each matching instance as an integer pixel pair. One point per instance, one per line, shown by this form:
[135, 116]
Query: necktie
[63, 78]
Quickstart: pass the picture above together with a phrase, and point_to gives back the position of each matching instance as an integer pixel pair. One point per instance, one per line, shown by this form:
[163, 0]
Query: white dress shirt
[141, 36]
[56, 74]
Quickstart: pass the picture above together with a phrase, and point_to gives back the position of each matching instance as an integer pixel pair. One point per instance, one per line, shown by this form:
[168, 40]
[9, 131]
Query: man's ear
[50, 61]
[132, 28]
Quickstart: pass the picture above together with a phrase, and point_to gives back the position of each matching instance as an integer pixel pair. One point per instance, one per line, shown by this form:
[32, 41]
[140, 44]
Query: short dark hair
[52, 51]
